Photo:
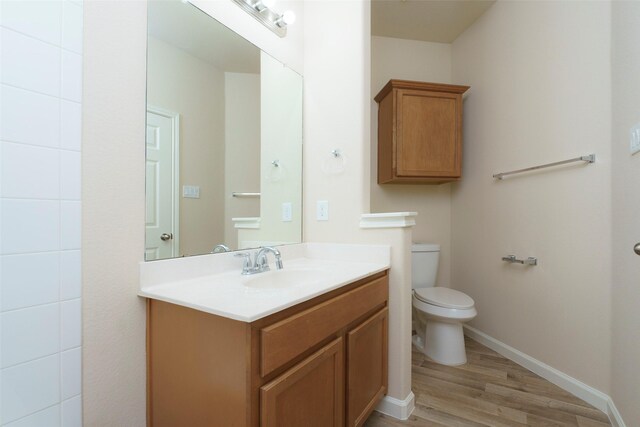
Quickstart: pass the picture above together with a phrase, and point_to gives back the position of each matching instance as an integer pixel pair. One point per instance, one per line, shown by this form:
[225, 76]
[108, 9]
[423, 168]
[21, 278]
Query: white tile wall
[70, 123]
[30, 334]
[70, 315]
[49, 417]
[72, 412]
[71, 373]
[29, 63]
[30, 172]
[40, 213]
[24, 286]
[30, 117]
[30, 387]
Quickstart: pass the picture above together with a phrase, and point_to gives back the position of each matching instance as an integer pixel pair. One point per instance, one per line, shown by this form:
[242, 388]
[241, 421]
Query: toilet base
[443, 342]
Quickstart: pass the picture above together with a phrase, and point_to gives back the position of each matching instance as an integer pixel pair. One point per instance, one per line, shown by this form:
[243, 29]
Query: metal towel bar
[589, 159]
[235, 194]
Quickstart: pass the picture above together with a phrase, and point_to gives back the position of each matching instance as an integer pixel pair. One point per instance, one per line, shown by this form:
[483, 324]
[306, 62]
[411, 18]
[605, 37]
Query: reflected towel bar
[589, 159]
[234, 194]
[512, 259]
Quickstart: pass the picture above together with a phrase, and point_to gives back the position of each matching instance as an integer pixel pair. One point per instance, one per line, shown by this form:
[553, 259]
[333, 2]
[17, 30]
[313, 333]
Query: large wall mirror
[223, 141]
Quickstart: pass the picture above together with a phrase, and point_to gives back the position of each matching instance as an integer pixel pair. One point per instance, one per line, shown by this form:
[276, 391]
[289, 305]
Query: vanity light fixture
[287, 18]
[262, 11]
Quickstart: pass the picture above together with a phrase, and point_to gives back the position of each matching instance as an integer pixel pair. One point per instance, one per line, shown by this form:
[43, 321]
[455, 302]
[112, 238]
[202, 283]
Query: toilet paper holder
[512, 259]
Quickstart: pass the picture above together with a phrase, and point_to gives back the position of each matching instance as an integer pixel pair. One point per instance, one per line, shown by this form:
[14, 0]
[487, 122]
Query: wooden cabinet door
[428, 141]
[366, 367]
[311, 394]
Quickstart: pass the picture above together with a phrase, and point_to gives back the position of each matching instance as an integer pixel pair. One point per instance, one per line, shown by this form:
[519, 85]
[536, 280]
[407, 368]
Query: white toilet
[438, 312]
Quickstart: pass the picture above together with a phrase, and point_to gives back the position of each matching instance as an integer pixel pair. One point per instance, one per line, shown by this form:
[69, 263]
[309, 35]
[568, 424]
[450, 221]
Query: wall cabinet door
[419, 132]
[366, 367]
[310, 394]
[427, 137]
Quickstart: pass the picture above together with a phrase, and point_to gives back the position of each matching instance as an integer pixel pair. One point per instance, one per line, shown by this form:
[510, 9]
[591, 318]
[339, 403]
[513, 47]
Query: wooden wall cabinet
[321, 363]
[419, 132]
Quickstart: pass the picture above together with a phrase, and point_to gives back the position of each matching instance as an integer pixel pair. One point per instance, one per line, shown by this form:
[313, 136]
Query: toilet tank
[424, 264]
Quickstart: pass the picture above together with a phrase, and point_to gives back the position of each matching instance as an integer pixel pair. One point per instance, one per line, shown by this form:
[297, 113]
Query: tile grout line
[58, 301]
[48, 43]
[48, 95]
[33, 413]
[61, 77]
[46, 147]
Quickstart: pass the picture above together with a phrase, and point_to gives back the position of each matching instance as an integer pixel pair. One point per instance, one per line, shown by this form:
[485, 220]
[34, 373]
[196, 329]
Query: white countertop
[213, 283]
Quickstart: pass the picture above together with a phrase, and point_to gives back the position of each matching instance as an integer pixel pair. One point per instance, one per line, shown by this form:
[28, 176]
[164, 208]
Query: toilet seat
[443, 314]
[444, 297]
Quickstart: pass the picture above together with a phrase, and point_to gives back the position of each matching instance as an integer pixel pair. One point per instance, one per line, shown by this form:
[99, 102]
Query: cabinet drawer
[292, 336]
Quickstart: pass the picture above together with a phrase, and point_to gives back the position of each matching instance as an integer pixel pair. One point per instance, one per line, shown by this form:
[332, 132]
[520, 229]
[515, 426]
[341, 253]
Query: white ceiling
[427, 20]
[188, 28]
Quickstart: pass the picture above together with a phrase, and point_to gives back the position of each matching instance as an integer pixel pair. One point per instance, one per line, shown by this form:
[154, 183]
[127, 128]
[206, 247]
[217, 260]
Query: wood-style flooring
[489, 390]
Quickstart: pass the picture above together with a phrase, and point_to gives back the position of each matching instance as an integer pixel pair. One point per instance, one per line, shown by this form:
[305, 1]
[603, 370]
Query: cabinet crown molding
[410, 84]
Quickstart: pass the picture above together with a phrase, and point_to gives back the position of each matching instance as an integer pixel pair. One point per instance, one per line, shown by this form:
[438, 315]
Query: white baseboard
[579, 389]
[396, 408]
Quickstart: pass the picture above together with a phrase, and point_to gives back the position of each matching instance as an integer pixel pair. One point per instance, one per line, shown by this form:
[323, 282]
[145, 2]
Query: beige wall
[626, 211]
[337, 109]
[423, 61]
[540, 92]
[242, 150]
[113, 327]
[336, 62]
[181, 83]
[281, 140]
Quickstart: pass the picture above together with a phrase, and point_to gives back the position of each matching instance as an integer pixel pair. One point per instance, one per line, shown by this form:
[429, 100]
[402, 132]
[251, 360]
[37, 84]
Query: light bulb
[288, 17]
[269, 3]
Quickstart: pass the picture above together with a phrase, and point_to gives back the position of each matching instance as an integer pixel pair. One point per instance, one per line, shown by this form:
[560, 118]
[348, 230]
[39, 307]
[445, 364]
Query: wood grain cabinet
[419, 132]
[321, 363]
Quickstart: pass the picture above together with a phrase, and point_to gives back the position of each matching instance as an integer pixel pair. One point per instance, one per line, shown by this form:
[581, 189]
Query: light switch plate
[634, 139]
[322, 210]
[287, 213]
[191, 191]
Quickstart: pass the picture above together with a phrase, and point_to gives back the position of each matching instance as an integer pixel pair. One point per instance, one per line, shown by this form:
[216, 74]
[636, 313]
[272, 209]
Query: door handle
[166, 236]
[636, 249]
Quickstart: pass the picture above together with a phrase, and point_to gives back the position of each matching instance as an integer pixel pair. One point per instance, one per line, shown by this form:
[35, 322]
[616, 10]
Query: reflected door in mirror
[161, 185]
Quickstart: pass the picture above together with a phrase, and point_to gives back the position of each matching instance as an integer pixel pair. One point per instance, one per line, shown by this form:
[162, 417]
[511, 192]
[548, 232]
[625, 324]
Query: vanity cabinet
[320, 363]
[419, 132]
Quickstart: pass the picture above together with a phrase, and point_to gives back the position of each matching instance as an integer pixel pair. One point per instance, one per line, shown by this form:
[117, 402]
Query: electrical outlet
[287, 212]
[634, 141]
[322, 210]
[191, 191]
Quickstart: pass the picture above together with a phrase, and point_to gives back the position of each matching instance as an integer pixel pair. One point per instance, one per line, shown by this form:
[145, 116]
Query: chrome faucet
[260, 263]
[220, 248]
[261, 258]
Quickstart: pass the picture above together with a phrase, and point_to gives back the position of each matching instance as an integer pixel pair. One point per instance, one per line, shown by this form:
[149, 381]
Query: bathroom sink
[284, 279]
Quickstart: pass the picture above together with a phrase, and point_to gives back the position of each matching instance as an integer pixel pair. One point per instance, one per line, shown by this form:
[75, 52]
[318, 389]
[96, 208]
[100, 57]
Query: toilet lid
[444, 297]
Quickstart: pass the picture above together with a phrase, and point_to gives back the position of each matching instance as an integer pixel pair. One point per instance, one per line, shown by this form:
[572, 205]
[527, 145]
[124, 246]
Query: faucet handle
[246, 260]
